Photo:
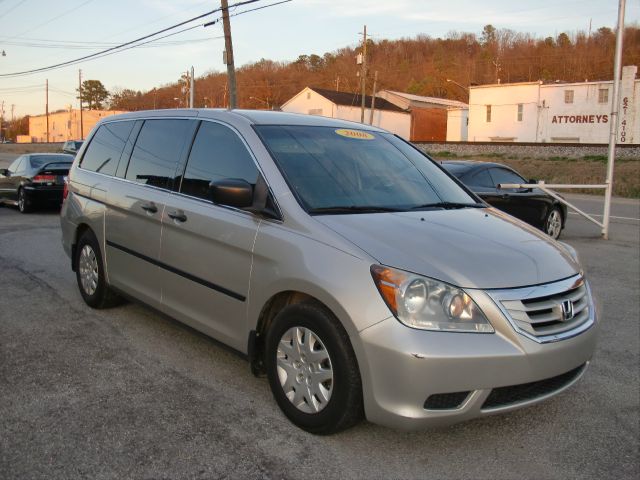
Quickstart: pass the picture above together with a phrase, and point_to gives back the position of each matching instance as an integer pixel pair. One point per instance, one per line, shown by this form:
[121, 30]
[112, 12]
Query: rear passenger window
[157, 152]
[103, 153]
[482, 179]
[217, 153]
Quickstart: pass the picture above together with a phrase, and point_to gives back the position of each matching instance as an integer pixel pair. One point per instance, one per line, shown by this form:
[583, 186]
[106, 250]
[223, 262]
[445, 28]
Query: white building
[413, 117]
[557, 112]
[347, 106]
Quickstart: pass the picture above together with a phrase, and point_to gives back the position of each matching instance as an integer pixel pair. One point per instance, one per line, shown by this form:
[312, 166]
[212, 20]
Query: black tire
[553, 223]
[24, 202]
[99, 295]
[344, 408]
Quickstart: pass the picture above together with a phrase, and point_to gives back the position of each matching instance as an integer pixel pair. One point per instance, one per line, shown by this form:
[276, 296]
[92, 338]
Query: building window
[520, 111]
[603, 95]
[568, 96]
[308, 95]
[488, 113]
[315, 111]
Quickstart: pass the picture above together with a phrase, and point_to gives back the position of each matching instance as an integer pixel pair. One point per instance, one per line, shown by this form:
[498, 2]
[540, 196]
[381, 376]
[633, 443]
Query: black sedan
[531, 205]
[33, 179]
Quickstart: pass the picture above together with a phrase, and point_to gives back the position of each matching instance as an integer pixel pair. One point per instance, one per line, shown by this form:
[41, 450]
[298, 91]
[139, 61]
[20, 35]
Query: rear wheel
[90, 273]
[24, 202]
[553, 223]
[312, 370]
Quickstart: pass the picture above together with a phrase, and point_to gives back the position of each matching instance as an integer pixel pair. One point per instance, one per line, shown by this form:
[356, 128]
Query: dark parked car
[531, 205]
[34, 179]
[71, 147]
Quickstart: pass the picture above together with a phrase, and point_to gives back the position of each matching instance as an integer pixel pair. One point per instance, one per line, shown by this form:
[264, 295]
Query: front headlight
[428, 304]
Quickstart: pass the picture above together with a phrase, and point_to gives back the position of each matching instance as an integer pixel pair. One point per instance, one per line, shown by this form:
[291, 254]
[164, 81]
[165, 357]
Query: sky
[39, 33]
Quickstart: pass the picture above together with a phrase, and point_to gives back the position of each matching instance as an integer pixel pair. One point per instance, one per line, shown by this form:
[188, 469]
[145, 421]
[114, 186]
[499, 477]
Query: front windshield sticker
[357, 134]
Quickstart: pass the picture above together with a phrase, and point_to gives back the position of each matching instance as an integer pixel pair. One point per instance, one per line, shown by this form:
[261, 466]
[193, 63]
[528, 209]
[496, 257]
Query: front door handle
[178, 216]
[150, 207]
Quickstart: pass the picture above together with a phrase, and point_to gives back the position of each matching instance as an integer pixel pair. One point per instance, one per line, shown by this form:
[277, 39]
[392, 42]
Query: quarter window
[482, 179]
[568, 96]
[157, 152]
[217, 153]
[103, 153]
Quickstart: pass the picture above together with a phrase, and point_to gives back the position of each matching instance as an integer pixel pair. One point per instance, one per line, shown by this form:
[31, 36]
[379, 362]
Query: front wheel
[312, 370]
[553, 223]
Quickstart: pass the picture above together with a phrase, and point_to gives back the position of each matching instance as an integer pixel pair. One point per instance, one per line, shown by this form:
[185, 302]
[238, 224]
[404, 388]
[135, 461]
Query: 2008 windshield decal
[357, 134]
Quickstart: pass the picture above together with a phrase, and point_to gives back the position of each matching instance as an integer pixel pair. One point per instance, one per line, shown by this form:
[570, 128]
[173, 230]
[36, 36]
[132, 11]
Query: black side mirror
[532, 180]
[4, 171]
[233, 192]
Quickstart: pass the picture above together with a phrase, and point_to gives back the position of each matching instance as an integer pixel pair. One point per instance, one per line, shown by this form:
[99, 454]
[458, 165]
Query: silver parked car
[351, 269]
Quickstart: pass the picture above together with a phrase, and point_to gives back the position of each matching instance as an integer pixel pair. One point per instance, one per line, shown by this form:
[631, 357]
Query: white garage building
[557, 112]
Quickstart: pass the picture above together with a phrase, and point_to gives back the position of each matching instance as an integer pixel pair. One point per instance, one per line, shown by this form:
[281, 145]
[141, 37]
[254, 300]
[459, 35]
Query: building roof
[432, 100]
[355, 100]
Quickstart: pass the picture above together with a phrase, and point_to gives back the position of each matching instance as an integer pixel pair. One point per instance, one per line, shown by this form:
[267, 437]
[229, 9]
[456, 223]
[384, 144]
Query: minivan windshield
[334, 170]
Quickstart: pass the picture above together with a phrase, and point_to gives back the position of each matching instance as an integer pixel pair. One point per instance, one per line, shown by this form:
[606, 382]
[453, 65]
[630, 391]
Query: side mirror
[532, 180]
[4, 171]
[232, 192]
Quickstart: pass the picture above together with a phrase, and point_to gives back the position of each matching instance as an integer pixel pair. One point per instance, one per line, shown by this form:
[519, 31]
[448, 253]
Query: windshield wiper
[338, 209]
[448, 205]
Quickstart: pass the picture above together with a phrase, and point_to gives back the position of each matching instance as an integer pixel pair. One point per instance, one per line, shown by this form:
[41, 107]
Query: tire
[90, 273]
[312, 370]
[553, 223]
[24, 202]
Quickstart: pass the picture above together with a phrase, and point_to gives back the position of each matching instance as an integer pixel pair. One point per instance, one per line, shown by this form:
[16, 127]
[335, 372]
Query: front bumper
[406, 367]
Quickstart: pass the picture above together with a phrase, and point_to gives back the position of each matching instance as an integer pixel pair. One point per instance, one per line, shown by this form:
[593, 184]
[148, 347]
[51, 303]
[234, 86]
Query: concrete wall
[457, 125]
[539, 150]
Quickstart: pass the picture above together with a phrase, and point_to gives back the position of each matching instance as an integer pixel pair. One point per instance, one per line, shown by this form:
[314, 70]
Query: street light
[456, 83]
[206, 99]
[266, 102]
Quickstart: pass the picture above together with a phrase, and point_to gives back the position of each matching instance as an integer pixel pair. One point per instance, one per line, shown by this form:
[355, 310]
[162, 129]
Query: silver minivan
[351, 269]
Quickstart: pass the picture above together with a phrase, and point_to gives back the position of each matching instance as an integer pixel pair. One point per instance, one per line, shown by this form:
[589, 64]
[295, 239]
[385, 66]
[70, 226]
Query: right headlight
[428, 304]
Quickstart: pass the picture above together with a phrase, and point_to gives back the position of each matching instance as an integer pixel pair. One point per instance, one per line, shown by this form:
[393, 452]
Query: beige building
[65, 125]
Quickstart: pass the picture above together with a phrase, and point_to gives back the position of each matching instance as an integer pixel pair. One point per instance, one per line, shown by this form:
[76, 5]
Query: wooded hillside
[419, 65]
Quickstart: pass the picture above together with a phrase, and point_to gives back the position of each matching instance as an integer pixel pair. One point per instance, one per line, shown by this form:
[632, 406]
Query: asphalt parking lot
[128, 393]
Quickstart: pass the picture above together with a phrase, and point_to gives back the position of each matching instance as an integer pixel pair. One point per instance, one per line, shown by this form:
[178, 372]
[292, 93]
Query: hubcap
[554, 224]
[304, 370]
[88, 269]
[21, 200]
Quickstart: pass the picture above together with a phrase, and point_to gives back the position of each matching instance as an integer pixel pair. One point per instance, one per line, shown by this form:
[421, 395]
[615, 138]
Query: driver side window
[502, 175]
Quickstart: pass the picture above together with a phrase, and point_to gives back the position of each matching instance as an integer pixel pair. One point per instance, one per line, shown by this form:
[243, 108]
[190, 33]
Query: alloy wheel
[554, 224]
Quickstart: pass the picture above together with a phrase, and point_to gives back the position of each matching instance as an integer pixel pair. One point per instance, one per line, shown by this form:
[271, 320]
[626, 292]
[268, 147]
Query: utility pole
[373, 97]
[228, 57]
[191, 88]
[13, 107]
[1, 118]
[80, 92]
[613, 119]
[363, 74]
[46, 106]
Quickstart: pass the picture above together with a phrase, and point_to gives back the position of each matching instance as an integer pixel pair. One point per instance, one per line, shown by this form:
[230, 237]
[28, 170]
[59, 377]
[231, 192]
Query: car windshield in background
[38, 161]
[353, 171]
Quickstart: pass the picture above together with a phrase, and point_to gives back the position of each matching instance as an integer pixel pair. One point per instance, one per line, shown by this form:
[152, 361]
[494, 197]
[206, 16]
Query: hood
[470, 247]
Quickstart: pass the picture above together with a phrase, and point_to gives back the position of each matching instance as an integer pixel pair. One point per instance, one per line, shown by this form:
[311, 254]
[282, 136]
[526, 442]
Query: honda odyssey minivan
[351, 269]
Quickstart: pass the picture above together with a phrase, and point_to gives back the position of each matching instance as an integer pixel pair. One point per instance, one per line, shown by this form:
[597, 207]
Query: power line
[8, 11]
[122, 45]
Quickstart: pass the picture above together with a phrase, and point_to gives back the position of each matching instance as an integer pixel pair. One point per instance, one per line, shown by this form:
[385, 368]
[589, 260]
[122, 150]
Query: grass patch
[444, 154]
[595, 158]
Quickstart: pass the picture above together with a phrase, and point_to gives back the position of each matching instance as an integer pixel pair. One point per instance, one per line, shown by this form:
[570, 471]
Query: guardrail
[547, 189]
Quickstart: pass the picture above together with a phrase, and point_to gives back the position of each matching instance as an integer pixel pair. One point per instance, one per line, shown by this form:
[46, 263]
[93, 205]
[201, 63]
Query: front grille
[550, 314]
[445, 401]
[505, 396]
